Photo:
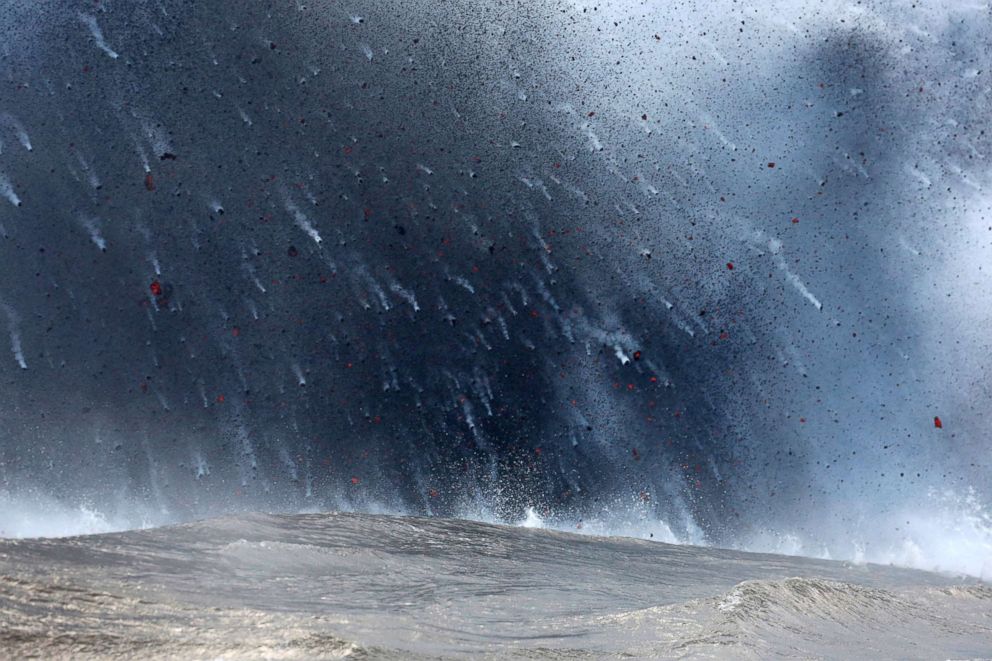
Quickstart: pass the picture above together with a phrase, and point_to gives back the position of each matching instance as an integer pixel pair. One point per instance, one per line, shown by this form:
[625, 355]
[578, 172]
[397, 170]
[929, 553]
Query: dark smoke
[503, 255]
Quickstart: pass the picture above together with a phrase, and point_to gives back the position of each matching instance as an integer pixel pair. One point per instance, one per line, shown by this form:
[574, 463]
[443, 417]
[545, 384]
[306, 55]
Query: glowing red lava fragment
[355, 480]
[220, 399]
[795, 221]
[637, 355]
[937, 423]
[537, 451]
[432, 493]
[730, 266]
[156, 288]
[149, 182]
[235, 331]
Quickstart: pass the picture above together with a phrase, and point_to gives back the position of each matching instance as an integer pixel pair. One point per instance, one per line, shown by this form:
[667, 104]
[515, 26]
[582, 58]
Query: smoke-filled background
[713, 272]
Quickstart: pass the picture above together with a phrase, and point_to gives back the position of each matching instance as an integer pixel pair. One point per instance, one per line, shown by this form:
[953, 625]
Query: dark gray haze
[716, 271]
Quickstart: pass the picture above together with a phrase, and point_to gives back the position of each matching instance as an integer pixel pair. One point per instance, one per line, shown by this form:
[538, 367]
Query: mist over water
[709, 273]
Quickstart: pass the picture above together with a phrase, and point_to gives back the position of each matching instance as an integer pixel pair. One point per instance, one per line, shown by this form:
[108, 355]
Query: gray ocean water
[322, 586]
